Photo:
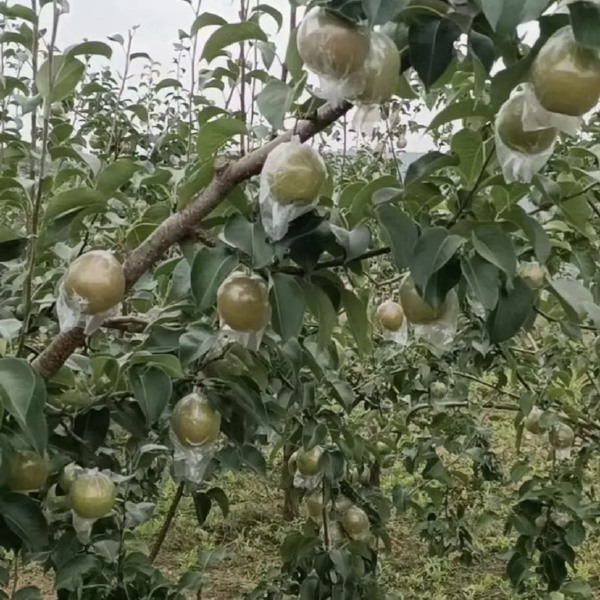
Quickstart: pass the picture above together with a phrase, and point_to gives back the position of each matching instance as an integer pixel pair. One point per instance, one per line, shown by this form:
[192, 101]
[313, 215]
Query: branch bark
[184, 224]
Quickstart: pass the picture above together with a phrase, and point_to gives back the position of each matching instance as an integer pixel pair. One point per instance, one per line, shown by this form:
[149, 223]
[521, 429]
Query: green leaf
[461, 110]
[70, 574]
[575, 298]
[152, 390]
[210, 268]
[252, 457]
[431, 43]
[67, 72]
[24, 518]
[206, 20]
[23, 396]
[293, 60]
[74, 202]
[482, 50]
[433, 250]
[27, 593]
[517, 569]
[140, 111]
[116, 174]
[250, 238]
[356, 311]
[169, 82]
[505, 16]
[537, 236]
[354, 242]
[468, 146]
[322, 308]
[428, 164]
[513, 309]
[215, 134]
[483, 280]
[89, 49]
[231, 33]
[18, 11]
[398, 231]
[380, 12]
[287, 305]
[217, 495]
[12, 245]
[274, 102]
[496, 247]
[585, 21]
[168, 363]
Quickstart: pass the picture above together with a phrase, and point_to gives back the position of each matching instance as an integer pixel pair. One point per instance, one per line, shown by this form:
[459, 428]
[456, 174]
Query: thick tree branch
[184, 224]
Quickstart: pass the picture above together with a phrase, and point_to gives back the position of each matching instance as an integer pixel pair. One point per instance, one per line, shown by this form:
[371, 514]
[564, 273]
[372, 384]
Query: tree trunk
[291, 507]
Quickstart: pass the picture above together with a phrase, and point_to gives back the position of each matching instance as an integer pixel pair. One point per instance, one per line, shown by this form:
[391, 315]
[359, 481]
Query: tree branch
[185, 224]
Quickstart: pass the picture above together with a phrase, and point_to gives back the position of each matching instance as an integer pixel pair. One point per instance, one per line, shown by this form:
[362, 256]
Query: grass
[239, 551]
[246, 544]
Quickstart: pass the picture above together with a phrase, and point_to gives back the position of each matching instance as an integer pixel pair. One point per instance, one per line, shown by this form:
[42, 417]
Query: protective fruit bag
[521, 153]
[243, 308]
[336, 51]
[435, 326]
[90, 292]
[193, 431]
[564, 84]
[290, 185]
[92, 497]
[393, 324]
[305, 468]
[381, 74]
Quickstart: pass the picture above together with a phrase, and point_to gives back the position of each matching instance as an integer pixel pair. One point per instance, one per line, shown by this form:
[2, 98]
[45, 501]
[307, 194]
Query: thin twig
[37, 204]
[162, 534]
[555, 320]
[464, 205]
[496, 388]
[585, 190]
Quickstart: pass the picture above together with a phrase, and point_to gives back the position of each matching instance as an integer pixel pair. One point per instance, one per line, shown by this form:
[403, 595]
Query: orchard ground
[244, 548]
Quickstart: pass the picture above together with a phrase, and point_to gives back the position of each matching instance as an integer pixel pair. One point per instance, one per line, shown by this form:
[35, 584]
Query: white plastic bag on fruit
[190, 464]
[336, 50]
[91, 291]
[92, 497]
[243, 309]
[290, 185]
[536, 117]
[71, 313]
[564, 84]
[393, 323]
[441, 334]
[193, 431]
[521, 153]
[380, 76]
[398, 336]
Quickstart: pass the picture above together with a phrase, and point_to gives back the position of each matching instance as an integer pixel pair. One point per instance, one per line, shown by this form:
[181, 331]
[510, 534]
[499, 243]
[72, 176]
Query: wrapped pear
[92, 495]
[521, 151]
[336, 50]
[290, 185]
[392, 321]
[91, 291]
[195, 427]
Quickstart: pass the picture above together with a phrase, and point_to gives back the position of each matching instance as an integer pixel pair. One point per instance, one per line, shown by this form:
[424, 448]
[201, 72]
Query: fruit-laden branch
[183, 224]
